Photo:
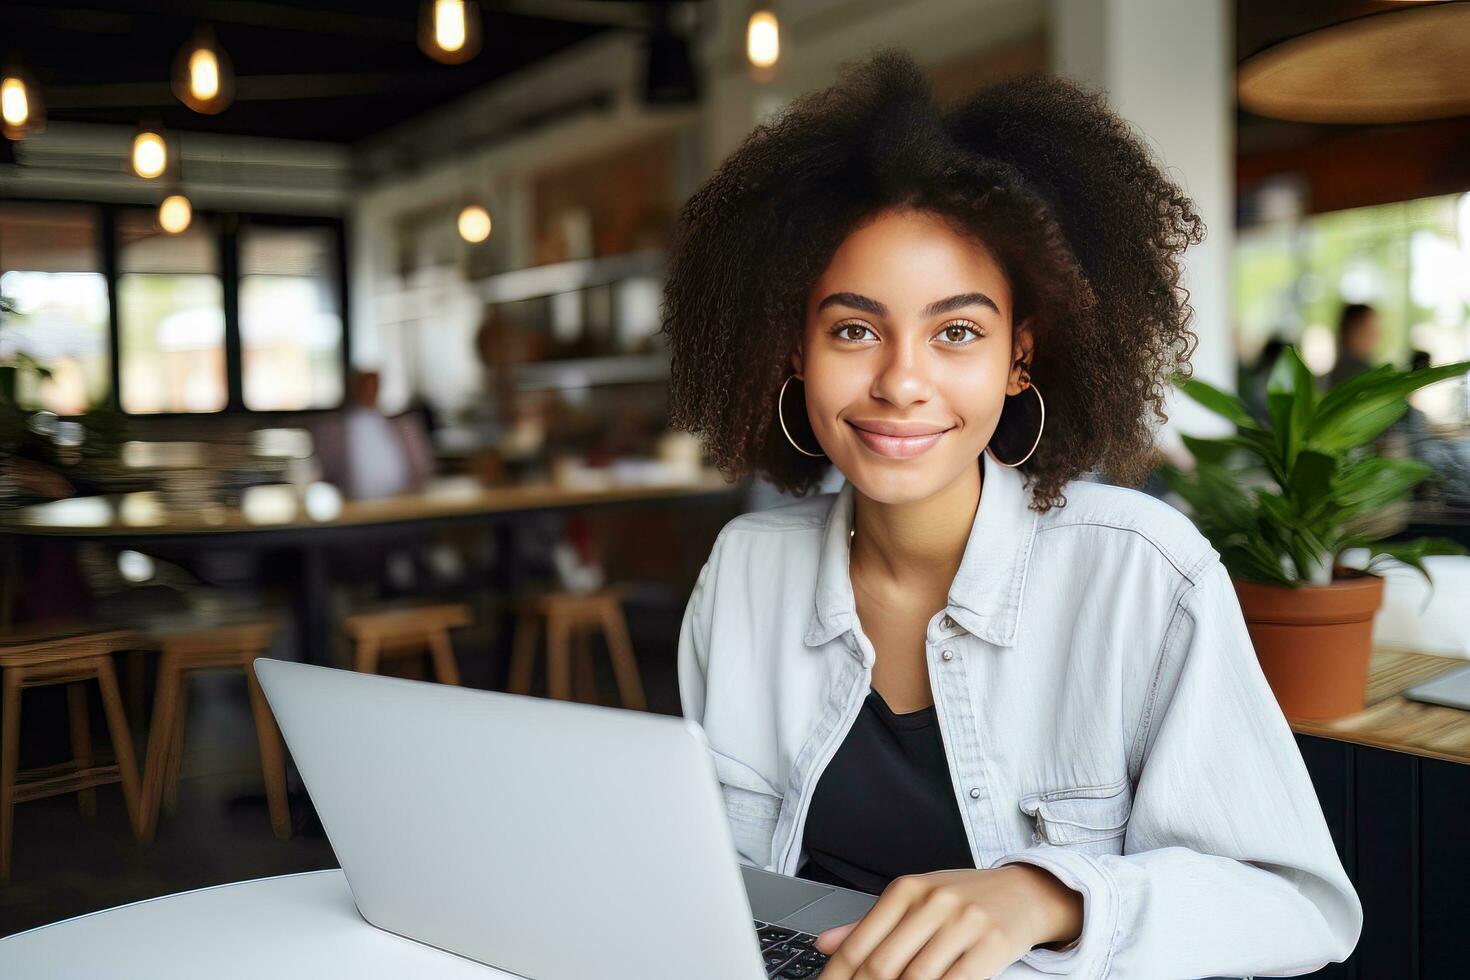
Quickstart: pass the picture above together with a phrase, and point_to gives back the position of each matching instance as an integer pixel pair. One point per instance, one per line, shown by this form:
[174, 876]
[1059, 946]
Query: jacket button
[946, 655]
[974, 792]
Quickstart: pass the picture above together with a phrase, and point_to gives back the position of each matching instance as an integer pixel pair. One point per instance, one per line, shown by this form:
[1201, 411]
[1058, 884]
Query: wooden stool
[569, 614]
[233, 646]
[405, 632]
[71, 661]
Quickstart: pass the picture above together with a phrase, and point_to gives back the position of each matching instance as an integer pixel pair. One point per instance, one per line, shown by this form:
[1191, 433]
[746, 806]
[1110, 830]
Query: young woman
[1020, 706]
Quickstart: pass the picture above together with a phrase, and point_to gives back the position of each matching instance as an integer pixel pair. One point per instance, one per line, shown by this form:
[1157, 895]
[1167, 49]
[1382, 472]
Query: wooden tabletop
[1391, 721]
[283, 506]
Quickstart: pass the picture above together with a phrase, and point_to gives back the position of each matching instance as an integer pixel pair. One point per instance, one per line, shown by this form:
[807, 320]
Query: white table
[293, 926]
[301, 925]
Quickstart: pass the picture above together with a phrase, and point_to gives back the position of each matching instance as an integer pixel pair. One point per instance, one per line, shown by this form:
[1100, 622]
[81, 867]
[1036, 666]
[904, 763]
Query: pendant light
[21, 111]
[449, 30]
[175, 214]
[150, 153]
[203, 78]
[669, 76]
[762, 38]
[473, 221]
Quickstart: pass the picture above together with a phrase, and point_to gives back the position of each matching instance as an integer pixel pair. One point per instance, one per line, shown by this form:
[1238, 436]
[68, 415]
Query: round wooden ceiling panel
[1401, 65]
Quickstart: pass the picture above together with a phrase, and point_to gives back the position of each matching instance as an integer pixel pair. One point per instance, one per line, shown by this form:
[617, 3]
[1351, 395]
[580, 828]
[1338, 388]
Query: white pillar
[1168, 68]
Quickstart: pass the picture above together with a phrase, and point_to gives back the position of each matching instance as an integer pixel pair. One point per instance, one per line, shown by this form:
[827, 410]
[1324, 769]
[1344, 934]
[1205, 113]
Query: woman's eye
[959, 333]
[852, 331]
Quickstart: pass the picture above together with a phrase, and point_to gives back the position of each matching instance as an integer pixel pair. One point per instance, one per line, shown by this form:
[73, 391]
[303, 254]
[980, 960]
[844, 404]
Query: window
[239, 312]
[1409, 260]
[49, 267]
[290, 318]
[171, 319]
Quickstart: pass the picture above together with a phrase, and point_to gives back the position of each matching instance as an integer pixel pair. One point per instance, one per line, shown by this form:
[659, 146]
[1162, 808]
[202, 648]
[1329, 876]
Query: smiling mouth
[898, 446]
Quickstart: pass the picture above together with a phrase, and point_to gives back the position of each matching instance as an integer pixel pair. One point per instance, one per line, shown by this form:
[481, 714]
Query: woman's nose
[902, 378]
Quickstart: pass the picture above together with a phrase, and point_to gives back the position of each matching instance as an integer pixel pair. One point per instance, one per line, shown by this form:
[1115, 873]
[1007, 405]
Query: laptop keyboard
[789, 955]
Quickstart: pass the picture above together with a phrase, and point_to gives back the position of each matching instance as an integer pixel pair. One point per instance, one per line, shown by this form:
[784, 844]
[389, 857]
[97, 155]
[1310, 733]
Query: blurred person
[1254, 378]
[1448, 454]
[365, 453]
[1357, 340]
[1022, 708]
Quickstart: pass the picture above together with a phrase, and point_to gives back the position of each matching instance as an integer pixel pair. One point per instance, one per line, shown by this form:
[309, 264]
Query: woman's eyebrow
[959, 302]
[936, 308]
[855, 301]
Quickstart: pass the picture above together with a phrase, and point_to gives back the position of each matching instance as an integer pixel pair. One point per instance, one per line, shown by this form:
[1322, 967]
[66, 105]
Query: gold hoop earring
[1039, 412]
[781, 397]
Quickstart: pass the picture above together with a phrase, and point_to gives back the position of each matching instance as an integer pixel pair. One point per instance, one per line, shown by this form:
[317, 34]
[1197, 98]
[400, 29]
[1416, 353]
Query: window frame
[228, 226]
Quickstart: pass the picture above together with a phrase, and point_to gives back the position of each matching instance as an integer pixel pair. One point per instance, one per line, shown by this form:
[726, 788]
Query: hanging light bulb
[762, 39]
[150, 154]
[21, 113]
[15, 102]
[175, 214]
[474, 224]
[203, 79]
[449, 30]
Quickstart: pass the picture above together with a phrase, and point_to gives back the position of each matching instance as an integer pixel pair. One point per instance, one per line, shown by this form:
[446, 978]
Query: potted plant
[1281, 500]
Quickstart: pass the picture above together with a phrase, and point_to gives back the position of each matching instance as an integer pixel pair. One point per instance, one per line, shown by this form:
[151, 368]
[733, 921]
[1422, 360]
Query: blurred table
[281, 507]
[310, 520]
[1391, 721]
[302, 925]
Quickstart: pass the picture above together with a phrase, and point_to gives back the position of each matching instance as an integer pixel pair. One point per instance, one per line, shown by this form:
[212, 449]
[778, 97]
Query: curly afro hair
[1086, 227]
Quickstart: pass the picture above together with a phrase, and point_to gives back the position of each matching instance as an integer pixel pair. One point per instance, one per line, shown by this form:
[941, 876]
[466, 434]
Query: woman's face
[907, 355]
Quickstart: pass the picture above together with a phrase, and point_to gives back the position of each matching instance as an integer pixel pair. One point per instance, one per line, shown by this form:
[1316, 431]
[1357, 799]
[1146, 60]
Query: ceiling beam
[248, 88]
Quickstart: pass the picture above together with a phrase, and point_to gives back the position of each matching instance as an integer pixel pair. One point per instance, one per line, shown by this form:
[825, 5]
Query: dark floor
[65, 865]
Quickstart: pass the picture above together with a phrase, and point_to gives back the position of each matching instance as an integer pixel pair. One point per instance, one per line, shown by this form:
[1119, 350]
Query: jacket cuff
[1094, 946]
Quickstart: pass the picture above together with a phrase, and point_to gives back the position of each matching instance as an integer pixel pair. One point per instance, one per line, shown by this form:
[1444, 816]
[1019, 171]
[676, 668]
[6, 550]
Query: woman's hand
[953, 925]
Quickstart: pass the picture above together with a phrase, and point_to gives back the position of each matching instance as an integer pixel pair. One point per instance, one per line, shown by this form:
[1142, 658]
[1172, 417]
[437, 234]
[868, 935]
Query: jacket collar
[985, 596]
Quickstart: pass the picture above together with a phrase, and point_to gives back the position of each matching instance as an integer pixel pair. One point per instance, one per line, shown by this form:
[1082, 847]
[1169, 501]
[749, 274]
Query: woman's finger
[894, 952]
[986, 958]
[953, 940]
[828, 939]
[872, 927]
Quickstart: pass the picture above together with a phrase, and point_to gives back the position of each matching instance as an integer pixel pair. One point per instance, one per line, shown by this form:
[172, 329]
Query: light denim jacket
[1101, 707]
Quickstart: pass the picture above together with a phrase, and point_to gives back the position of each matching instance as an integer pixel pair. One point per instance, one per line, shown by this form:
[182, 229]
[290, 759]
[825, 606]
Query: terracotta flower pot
[1314, 642]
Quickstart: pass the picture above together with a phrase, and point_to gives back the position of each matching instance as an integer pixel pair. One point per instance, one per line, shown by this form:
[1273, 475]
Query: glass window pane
[290, 319]
[49, 269]
[1408, 260]
[171, 320]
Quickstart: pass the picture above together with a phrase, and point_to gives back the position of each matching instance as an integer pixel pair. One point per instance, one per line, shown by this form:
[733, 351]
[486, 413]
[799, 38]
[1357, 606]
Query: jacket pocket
[1092, 819]
[752, 807]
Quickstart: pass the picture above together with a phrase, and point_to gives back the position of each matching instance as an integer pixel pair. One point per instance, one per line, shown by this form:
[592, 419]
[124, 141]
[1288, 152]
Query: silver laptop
[548, 839]
[1451, 689]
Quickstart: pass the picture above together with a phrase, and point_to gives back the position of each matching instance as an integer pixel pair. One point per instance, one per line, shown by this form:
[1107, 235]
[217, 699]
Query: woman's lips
[897, 446]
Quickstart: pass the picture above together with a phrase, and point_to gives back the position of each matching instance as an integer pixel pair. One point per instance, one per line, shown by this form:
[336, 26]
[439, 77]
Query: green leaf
[1220, 402]
[1311, 479]
[1355, 412]
[1377, 481]
[1209, 450]
[1413, 553]
[1248, 564]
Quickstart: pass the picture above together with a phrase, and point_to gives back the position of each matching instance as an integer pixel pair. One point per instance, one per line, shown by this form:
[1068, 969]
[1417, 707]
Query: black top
[885, 804]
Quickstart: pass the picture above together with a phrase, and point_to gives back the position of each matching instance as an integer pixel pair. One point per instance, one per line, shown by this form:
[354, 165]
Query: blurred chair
[573, 616]
[234, 645]
[410, 631]
[71, 660]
